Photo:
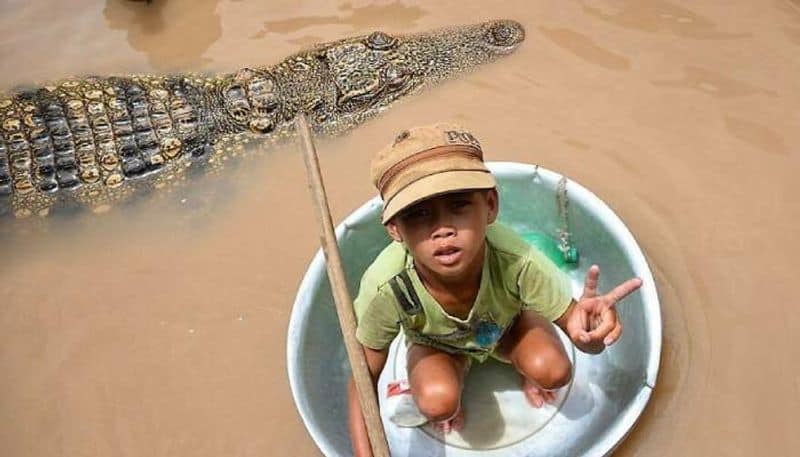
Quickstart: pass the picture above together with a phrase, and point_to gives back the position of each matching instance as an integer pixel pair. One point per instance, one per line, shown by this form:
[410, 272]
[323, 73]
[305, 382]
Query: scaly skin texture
[97, 141]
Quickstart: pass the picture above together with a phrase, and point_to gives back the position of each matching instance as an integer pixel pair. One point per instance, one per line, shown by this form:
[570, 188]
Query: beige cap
[426, 161]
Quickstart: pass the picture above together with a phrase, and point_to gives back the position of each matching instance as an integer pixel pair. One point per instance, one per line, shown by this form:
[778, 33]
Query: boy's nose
[444, 231]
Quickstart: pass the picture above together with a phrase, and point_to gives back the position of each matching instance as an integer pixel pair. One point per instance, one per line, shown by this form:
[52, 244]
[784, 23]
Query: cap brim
[437, 184]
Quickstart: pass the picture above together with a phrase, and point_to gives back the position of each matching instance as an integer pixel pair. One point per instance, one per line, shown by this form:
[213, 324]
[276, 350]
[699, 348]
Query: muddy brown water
[159, 328]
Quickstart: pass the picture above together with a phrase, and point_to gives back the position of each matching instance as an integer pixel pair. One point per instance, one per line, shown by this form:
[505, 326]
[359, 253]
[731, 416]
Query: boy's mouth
[447, 255]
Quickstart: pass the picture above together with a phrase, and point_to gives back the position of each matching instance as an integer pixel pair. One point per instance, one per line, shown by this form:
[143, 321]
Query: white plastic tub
[591, 417]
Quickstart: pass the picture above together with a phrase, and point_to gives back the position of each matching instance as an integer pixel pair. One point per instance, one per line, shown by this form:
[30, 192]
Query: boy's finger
[614, 335]
[596, 320]
[578, 325]
[579, 335]
[590, 285]
[576, 334]
[583, 321]
[606, 326]
[624, 289]
[577, 329]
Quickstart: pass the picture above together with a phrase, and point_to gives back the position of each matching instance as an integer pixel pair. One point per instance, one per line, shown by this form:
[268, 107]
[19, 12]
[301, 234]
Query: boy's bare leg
[535, 350]
[436, 379]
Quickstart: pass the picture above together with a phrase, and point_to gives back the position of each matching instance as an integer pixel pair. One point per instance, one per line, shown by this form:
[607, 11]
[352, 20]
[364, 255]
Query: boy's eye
[461, 203]
[416, 213]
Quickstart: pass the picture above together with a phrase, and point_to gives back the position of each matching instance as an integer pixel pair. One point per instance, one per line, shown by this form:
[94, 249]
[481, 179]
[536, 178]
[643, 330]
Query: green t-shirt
[515, 277]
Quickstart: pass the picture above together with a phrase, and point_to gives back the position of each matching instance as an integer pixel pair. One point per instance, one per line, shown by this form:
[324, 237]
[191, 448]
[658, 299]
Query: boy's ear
[493, 200]
[391, 229]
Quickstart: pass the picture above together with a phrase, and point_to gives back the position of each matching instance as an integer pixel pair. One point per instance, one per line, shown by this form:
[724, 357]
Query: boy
[462, 288]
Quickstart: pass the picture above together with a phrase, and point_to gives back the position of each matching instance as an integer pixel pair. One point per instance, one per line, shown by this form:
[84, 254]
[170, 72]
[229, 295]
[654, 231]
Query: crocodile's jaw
[369, 73]
[445, 53]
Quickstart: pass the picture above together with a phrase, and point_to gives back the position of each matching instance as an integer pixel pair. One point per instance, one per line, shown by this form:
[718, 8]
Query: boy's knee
[560, 374]
[437, 402]
[549, 371]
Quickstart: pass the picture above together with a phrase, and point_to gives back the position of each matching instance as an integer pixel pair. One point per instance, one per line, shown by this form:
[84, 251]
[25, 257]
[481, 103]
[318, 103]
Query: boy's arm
[376, 359]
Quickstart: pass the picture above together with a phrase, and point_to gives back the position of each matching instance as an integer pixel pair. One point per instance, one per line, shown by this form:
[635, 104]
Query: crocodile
[93, 142]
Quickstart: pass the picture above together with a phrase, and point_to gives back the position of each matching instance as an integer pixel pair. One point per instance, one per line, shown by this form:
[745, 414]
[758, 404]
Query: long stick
[344, 305]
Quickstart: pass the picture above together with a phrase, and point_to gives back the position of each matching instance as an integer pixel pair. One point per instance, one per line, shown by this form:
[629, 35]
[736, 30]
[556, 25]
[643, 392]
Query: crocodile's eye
[395, 76]
[380, 41]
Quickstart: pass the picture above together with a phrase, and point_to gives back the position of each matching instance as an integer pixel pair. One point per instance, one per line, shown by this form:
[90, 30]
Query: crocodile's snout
[504, 35]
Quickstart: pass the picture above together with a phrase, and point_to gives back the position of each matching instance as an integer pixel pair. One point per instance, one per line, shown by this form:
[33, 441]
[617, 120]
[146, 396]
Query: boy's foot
[454, 424]
[537, 396]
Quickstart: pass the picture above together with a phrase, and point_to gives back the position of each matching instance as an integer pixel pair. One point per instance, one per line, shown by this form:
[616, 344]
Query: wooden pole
[344, 305]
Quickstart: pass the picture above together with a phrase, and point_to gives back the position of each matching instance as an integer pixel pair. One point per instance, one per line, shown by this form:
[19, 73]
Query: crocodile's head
[371, 72]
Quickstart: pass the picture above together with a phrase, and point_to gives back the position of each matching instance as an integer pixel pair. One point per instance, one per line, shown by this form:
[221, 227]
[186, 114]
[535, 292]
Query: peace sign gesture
[591, 322]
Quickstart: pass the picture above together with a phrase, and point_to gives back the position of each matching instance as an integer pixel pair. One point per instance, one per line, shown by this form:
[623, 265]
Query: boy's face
[446, 233]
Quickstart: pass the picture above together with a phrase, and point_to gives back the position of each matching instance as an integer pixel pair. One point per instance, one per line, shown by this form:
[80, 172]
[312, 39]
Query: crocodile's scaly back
[96, 141]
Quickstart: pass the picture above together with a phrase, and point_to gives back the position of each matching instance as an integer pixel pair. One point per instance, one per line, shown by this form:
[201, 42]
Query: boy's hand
[592, 321]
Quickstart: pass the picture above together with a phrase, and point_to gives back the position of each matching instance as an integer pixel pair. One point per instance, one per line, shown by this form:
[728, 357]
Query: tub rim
[619, 429]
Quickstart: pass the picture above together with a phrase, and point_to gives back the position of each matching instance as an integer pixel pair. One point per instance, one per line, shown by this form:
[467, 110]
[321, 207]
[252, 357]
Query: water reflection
[712, 83]
[174, 35]
[757, 135]
[657, 16]
[358, 18]
[585, 48]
